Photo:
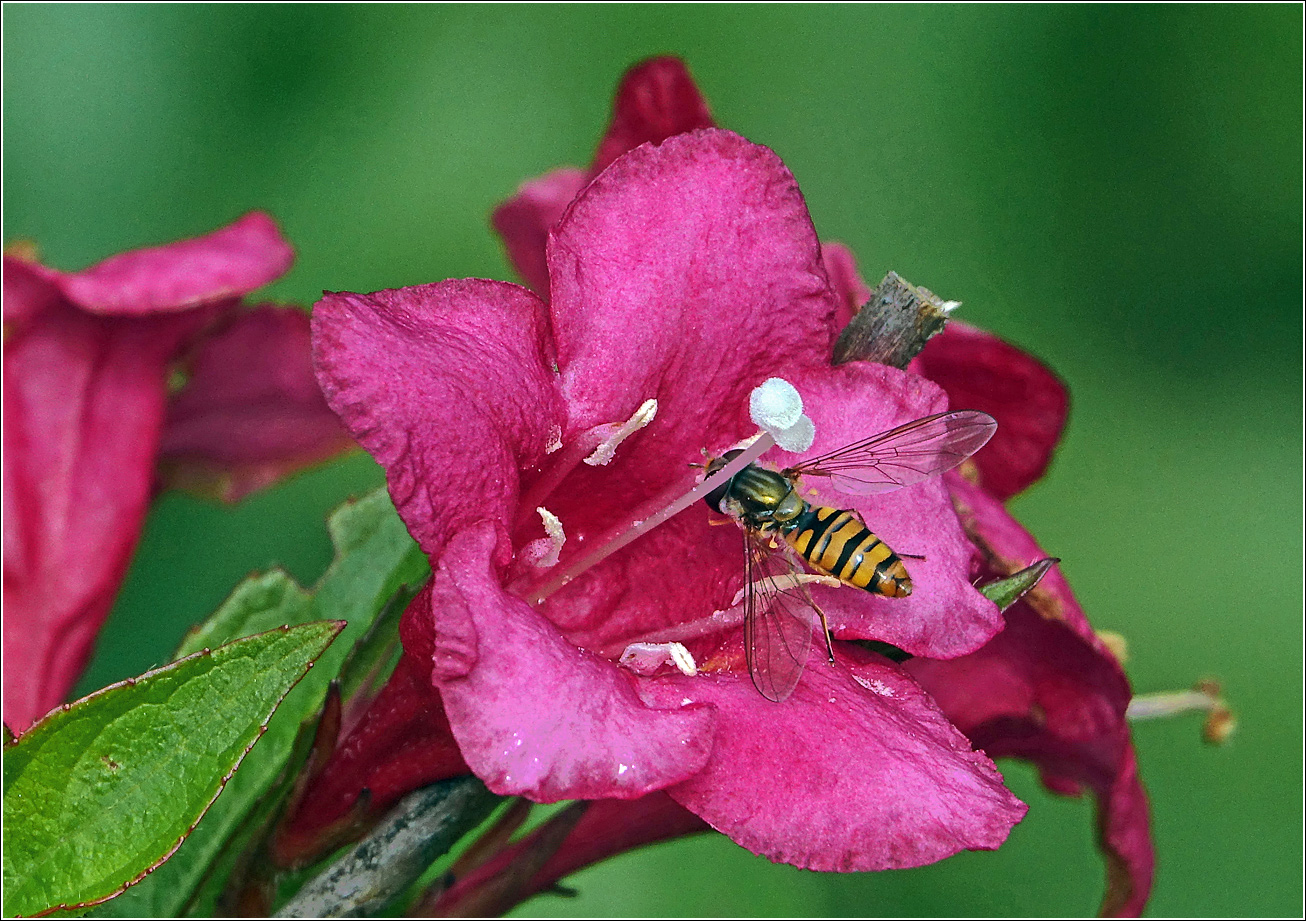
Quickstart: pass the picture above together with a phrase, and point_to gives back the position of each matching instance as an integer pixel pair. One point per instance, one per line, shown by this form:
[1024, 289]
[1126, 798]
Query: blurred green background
[1119, 190]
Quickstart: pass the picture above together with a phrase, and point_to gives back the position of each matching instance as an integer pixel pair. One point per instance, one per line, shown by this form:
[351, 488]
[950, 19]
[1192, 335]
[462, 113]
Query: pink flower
[686, 273]
[657, 100]
[87, 360]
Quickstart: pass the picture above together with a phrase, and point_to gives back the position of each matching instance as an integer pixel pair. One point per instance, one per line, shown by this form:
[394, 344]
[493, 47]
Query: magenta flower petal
[846, 281]
[980, 371]
[534, 715]
[227, 263]
[1047, 690]
[689, 272]
[857, 770]
[446, 385]
[524, 220]
[251, 412]
[656, 100]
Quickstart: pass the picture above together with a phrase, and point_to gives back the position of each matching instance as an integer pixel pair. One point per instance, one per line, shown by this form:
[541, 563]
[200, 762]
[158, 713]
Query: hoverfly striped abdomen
[835, 541]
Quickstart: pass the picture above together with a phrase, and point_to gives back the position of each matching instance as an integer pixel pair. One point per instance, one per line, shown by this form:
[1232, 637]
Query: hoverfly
[834, 542]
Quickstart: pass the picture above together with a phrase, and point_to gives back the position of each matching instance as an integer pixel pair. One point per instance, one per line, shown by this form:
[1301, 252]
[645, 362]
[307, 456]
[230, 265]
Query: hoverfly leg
[910, 556]
[825, 629]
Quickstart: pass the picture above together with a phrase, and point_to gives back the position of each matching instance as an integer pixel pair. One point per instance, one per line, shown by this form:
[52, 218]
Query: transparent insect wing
[908, 454]
[778, 617]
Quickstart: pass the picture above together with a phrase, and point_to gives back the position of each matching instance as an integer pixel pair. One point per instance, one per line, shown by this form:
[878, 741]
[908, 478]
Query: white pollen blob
[776, 406]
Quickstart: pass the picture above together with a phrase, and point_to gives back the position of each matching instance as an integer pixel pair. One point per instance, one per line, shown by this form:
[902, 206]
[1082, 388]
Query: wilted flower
[87, 363]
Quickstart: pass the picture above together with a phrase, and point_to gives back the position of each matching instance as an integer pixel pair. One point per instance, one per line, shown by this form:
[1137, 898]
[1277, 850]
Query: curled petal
[227, 263]
[444, 384]
[656, 100]
[857, 770]
[534, 715]
[251, 411]
[524, 221]
[29, 289]
[980, 371]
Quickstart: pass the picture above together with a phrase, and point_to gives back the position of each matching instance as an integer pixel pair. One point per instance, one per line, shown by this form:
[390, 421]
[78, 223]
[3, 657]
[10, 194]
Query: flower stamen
[1203, 697]
[607, 450]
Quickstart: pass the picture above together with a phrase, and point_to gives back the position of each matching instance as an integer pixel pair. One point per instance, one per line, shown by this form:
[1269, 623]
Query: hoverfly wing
[778, 618]
[908, 454]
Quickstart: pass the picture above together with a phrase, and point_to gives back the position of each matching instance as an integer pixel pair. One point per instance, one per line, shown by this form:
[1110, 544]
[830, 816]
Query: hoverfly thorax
[760, 499]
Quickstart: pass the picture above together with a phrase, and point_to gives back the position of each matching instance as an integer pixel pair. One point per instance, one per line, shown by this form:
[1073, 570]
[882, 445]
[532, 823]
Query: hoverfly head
[713, 499]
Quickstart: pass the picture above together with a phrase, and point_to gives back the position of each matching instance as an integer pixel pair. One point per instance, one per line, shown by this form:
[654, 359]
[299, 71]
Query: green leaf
[101, 791]
[375, 559]
[1006, 592]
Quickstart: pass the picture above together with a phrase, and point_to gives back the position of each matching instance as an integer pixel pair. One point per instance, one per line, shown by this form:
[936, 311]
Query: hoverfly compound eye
[776, 406]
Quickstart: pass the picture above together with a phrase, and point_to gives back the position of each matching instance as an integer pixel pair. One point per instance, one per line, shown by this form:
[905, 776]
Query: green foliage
[375, 560]
[99, 792]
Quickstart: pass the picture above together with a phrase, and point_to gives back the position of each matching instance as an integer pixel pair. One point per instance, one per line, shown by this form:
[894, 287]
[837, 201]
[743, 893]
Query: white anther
[606, 451]
[776, 406]
[544, 552]
[555, 439]
[646, 658]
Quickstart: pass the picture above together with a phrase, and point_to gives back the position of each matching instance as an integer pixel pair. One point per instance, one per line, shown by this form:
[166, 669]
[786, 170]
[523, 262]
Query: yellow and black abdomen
[836, 542]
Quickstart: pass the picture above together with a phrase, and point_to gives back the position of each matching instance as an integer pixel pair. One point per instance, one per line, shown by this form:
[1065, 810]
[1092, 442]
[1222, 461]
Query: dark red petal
[534, 715]
[450, 389]
[1007, 548]
[857, 770]
[1047, 690]
[980, 371]
[83, 406]
[227, 263]
[657, 98]
[401, 742]
[524, 222]
[29, 288]
[251, 412]
[607, 828]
